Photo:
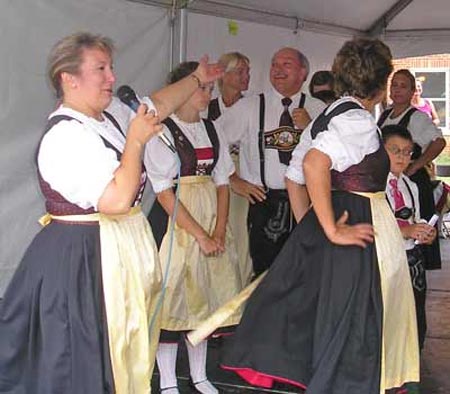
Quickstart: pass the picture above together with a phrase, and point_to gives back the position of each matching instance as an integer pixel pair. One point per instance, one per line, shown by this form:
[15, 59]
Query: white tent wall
[28, 29]
[210, 35]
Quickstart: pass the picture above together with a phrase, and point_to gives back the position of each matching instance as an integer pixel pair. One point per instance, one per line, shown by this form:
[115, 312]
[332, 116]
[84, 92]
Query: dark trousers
[269, 224]
[419, 283]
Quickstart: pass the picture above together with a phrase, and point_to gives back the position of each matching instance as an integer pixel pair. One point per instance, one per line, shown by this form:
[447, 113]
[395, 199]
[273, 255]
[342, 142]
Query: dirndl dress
[334, 319]
[197, 285]
[75, 316]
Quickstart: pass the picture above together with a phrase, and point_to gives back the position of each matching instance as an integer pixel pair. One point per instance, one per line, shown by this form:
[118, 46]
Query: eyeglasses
[396, 151]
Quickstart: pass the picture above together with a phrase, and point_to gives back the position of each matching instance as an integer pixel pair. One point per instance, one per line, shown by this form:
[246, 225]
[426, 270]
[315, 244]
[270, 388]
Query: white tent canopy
[142, 31]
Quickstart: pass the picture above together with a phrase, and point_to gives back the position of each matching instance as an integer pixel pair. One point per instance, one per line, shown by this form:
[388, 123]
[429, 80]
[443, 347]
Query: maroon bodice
[370, 174]
[190, 157]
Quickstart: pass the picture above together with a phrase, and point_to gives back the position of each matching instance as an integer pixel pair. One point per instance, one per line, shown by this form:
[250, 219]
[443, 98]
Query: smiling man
[268, 127]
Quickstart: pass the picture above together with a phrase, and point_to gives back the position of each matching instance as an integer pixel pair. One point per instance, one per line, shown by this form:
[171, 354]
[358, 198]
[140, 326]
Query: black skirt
[53, 333]
[316, 319]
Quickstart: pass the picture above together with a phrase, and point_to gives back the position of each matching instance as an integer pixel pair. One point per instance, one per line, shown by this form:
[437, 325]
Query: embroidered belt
[283, 139]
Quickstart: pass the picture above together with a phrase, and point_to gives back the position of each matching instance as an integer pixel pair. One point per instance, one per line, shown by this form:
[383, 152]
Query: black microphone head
[128, 97]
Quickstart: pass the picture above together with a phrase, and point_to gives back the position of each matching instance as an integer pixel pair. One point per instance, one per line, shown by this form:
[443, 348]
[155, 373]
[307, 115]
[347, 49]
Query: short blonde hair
[67, 55]
[230, 61]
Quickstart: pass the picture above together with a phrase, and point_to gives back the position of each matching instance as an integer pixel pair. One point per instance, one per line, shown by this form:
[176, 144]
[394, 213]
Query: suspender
[261, 144]
[410, 194]
[213, 109]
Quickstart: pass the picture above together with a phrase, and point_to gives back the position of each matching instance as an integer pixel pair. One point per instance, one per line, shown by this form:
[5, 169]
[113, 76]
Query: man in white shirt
[268, 127]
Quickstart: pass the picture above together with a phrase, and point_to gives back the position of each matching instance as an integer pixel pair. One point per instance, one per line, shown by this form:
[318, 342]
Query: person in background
[267, 128]
[76, 315]
[428, 144]
[335, 312]
[422, 104]
[403, 198]
[321, 86]
[234, 82]
[231, 86]
[204, 272]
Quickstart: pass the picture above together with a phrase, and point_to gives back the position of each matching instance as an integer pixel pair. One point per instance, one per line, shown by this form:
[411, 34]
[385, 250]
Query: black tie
[285, 120]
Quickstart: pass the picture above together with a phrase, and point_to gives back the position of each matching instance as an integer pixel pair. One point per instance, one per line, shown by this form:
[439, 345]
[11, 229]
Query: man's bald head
[288, 71]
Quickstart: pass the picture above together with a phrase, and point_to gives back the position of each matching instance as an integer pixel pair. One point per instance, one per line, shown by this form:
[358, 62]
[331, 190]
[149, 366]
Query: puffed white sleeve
[294, 171]
[160, 163]
[224, 166]
[349, 137]
[423, 130]
[74, 160]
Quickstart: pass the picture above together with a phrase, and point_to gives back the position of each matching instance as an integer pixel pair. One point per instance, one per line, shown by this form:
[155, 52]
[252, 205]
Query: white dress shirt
[241, 125]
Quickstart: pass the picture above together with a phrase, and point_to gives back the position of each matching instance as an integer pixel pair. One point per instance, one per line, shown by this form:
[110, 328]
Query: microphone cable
[169, 255]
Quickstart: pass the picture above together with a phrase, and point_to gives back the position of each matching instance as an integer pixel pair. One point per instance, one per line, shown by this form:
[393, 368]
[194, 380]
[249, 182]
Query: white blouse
[73, 158]
[162, 165]
[422, 129]
[349, 138]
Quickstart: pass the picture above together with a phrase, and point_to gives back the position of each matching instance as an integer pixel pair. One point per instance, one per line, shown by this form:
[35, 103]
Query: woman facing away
[75, 317]
[204, 272]
[335, 313]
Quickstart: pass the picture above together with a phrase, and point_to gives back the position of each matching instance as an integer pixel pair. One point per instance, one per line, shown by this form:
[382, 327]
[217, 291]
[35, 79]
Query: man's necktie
[399, 202]
[285, 120]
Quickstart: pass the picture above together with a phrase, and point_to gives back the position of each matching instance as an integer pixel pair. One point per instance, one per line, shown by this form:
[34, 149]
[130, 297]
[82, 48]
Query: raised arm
[169, 98]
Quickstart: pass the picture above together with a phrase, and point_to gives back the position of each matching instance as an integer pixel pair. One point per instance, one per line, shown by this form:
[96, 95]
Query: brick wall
[431, 61]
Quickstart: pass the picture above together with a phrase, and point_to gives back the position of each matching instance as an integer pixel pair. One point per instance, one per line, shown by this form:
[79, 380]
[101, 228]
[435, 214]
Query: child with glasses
[403, 197]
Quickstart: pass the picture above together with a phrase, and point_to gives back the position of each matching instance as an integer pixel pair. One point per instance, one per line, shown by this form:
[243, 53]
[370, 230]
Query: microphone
[129, 98]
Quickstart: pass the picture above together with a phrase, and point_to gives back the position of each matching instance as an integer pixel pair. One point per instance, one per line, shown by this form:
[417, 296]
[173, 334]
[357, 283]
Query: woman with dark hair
[335, 312]
[321, 86]
[203, 273]
[75, 317]
[428, 144]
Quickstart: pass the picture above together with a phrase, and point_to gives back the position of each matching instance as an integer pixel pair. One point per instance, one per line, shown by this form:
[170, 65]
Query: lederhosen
[271, 221]
[416, 264]
[431, 252]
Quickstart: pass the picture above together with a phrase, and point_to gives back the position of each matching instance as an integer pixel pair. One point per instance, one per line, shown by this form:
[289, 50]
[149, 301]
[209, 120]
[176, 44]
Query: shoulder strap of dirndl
[214, 109]
[384, 115]
[404, 121]
[322, 121]
[214, 138]
[50, 123]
